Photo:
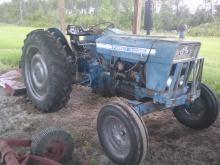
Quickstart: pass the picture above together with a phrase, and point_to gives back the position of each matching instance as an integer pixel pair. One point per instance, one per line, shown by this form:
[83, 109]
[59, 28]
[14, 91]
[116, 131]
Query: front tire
[46, 71]
[122, 134]
[200, 114]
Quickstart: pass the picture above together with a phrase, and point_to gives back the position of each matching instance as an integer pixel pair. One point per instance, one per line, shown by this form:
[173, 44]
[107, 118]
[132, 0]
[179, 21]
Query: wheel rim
[37, 74]
[196, 109]
[116, 136]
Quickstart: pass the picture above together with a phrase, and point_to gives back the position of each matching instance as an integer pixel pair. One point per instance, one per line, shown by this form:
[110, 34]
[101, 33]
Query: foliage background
[168, 14]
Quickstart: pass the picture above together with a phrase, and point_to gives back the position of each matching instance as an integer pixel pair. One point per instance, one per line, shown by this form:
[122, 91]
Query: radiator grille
[180, 74]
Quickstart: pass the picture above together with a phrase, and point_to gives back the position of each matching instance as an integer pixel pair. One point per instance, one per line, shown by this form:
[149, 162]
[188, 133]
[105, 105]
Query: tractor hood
[134, 48]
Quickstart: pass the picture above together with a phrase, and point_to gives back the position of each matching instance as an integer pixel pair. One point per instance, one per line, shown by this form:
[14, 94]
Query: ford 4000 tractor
[152, 73]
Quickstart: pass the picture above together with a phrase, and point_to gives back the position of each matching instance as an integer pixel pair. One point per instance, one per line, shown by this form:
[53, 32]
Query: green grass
[210, 49]
[11, 41]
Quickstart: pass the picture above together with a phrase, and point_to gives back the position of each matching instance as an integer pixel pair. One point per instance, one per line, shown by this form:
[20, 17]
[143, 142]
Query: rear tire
[46, 71]
[122, 134]
[200, 114]
[59, 35]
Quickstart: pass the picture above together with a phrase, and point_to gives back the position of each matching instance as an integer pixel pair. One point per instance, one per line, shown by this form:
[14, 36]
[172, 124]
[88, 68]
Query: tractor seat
[75, 30]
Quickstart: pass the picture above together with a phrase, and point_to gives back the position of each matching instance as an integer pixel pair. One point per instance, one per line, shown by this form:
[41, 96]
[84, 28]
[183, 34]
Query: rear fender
[58, 34]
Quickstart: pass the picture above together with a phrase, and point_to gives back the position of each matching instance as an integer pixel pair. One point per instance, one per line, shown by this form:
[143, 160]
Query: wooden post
[61, 6]
[137, 17]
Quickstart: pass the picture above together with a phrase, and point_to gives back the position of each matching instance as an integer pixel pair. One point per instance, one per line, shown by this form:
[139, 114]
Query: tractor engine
[107, 76]
[114, 63]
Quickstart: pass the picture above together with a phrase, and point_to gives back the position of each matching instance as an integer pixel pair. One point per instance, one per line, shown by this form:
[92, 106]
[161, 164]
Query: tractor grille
[181, 72]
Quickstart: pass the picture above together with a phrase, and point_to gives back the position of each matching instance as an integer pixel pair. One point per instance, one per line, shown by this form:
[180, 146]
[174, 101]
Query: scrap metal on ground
[58, 148]
[12, 82]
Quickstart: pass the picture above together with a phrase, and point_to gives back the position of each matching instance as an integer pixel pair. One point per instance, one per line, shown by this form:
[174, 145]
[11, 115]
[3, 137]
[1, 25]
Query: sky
[192, 4]
[4, 1]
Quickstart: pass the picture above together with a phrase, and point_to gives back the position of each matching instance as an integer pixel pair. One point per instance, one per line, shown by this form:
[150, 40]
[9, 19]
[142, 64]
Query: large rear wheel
[46, 71]
[201, 113]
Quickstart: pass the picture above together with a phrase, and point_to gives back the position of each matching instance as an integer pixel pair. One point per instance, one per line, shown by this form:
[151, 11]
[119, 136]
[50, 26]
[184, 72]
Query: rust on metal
[44, 161]
[9, 157]
[18, 143]
[55, 150]
[12, 82]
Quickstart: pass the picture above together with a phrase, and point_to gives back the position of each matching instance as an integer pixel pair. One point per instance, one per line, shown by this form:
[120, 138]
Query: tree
[61, 5]
[165, 18]
[217, 13]
[208, 7]
[107, 11]
[176, 4]
[21, 11]
[137, 17]
[45, 13]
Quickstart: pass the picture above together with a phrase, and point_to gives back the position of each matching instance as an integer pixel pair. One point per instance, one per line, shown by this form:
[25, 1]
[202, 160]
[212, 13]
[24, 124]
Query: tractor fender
[59, 35]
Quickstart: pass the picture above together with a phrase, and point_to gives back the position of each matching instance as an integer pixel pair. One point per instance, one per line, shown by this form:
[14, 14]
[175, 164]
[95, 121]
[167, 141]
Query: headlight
[181, 80]
[169, 81]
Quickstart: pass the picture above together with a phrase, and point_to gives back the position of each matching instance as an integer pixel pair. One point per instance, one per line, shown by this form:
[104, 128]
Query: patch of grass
[207, 29]
[93, 161]
[9, 58]
[210, 50]
[11, 41]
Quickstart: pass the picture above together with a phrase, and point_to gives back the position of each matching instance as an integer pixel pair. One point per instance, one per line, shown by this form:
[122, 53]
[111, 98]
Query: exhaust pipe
[148, 17]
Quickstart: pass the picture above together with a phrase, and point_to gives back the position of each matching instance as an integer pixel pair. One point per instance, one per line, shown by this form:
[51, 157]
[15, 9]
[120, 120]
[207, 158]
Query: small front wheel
[201, 113]
[122, 134]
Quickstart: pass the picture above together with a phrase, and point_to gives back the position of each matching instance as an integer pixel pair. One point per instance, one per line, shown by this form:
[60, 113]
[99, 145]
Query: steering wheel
[97, 26]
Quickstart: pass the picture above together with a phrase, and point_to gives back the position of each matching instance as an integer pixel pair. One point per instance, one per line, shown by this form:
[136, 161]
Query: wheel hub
[117, 137]
[37, 75]
[196, 109]
[39, 71]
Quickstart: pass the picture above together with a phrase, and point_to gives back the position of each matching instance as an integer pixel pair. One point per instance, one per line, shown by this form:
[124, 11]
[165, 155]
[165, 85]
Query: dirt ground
[170, 142]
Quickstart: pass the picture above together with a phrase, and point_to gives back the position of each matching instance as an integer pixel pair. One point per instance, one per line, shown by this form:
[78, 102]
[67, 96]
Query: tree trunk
[137, 17]
[61, 6]
[177, 7]
[20, 11]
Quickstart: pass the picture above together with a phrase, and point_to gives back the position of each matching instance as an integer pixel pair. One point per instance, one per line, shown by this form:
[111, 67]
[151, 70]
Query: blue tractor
[152, 73]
